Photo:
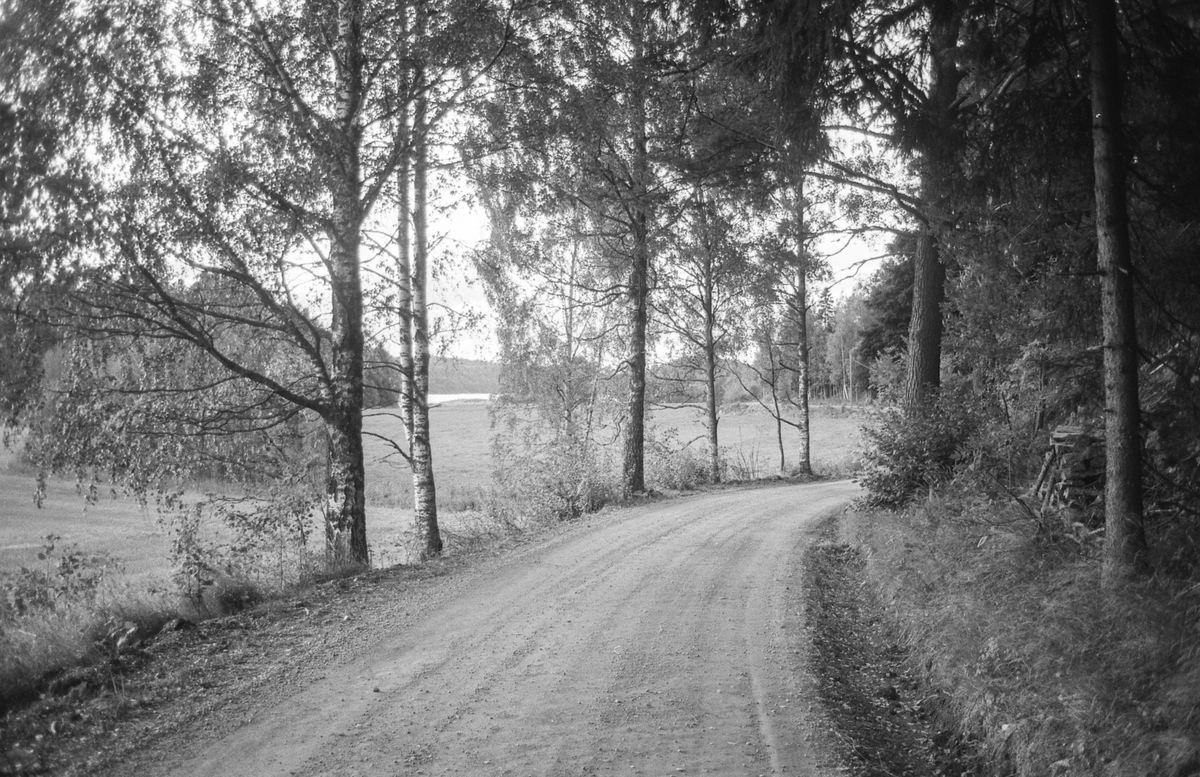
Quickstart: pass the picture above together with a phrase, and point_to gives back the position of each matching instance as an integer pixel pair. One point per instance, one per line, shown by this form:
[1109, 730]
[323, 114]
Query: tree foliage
[230, 202]
[219, 180]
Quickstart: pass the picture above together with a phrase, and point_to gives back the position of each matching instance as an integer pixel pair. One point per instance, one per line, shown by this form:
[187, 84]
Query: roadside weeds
[1047, 672]
[887, 719]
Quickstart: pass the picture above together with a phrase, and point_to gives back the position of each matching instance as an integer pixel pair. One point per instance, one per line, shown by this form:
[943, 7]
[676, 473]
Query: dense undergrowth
[68, 612]
[999, 596]
[77, 608]
[1052, 674]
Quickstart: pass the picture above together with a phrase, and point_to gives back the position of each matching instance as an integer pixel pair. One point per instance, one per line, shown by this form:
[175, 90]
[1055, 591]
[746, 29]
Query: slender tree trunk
[345, 510]
[778, 413]
[799, 309]
[404, 242]
[569, 380]
[929, 274]
[429, 537]
[804, 454]
[710, 391]
[1125, 539]
[633, 469]
[708, 302]
[842, 368]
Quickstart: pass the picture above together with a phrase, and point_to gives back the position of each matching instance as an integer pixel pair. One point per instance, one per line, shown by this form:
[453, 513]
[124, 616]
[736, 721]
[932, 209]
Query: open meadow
[462, 449]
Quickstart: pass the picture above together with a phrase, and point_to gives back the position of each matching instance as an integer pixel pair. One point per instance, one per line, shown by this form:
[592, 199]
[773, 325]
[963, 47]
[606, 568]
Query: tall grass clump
[73, 609]
[76, 608]
[1048, 672]
[743, 463]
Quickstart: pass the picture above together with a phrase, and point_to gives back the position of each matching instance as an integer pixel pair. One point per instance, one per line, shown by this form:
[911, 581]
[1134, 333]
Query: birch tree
[705, 298]
[609, 95]
[230, 140]
[443, 52]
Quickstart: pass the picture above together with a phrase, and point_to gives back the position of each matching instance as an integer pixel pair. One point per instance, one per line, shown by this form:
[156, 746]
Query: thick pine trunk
[429, 537]
[1125, 539]
[925, 326]
[345, 509]
[634, 481]
[929, 274]
[633, 464]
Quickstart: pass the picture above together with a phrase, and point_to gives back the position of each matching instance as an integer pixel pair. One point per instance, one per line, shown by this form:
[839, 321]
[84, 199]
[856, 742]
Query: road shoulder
[885, 719]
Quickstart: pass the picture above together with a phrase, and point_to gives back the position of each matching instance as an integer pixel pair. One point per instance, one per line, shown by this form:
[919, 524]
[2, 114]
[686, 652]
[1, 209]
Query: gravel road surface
[662, 639]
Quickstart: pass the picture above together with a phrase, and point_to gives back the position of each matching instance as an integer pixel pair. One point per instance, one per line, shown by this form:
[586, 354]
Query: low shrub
[74, 610]
[911, 450]
[474, 530]
[69, 576]
[227, 554]
[556, 481]
[845, 467]
[675, 467]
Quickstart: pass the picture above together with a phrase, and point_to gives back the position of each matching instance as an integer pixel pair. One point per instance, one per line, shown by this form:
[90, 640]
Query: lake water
[441, 399]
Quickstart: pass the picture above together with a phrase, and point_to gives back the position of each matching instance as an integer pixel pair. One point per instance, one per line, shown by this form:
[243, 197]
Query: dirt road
[664, 639]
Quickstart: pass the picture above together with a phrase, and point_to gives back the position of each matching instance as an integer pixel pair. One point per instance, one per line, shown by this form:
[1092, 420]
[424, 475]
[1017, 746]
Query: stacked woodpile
[1071, 482]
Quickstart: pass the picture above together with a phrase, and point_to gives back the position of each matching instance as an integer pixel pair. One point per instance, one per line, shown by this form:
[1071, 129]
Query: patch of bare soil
[887, 721]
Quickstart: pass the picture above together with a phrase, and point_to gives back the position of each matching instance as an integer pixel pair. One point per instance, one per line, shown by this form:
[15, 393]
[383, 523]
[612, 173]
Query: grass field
[462, 461]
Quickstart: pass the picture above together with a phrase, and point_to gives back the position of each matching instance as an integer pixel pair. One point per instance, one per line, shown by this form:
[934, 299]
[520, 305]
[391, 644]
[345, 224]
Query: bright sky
[456, 285]
[458, 228]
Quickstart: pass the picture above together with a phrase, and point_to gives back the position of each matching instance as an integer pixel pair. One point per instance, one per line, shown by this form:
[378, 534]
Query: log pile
[1071, 482]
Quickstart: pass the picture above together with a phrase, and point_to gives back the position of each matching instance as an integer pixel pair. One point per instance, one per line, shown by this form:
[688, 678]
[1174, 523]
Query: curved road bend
[665, 640]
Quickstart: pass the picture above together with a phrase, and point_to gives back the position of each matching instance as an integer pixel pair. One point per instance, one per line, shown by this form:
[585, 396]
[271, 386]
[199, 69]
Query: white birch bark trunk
[429, 539]
[345, 508]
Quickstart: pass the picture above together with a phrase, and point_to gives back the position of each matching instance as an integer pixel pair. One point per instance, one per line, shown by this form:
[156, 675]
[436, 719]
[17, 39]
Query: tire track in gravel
[667, 639]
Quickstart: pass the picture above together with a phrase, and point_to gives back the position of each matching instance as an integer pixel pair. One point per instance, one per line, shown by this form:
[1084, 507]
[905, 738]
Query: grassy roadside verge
[95, 717]
[1047, 672]
[76, 623]
[101, 695]
[885, 718]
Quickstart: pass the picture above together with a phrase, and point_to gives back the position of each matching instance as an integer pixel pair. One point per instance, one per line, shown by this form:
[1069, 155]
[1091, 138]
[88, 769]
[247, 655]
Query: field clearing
[747, 435]
[461, 434]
